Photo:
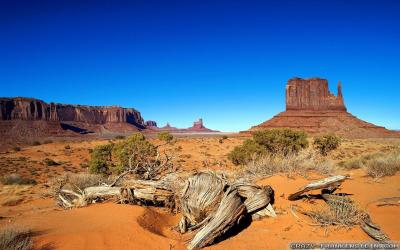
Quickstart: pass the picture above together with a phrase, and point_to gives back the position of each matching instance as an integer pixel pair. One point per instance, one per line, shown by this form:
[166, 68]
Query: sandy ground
[116, 226]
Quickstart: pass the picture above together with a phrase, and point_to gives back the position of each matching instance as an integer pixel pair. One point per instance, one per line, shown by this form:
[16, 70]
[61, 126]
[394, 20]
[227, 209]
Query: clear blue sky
[224, 61]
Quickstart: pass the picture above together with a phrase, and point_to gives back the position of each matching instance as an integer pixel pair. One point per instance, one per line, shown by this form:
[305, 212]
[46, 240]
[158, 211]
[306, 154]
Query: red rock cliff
[312, 94]
[20, 108]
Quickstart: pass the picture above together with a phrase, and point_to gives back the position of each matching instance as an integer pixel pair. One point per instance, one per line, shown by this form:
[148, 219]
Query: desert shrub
[165, 136]
[301, 163]
[352, 164]
[250, 150]
[36, 143]
[101, 159]
[383, 165]
[326, 143]
[223, 138]
[67, 147]
[47, 141]
[50, 162]
[341, 212]
[16, 148]
[135, 151]
[12, 238]
[119, 137]
[83, 180]
[15, 179]
[281, 141]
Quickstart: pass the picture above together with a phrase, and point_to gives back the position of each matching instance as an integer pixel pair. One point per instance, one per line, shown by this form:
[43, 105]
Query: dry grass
[383, 165]
[12, 201]
[15, 179]
[77, 182]
[13, 238]
[302, 164]
[340, 212]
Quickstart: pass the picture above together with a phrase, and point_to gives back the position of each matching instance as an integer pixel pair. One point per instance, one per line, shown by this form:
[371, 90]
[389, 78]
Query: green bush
[165, 136]
[50, 162]
[15, 179]
[36, 143]
[326, 143]
[134, 151]
[101, 160]
[119, 137]
[250, 150]
[281, 141]
[47, 141]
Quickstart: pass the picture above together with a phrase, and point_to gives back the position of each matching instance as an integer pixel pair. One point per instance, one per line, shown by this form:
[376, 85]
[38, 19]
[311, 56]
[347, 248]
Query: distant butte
[312, 108]
[198, 127]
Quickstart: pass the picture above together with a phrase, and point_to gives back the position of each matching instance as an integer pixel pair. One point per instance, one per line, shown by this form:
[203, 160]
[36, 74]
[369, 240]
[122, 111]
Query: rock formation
[151, 124]
[312, 94]
[312, 108]
[198, 127]
[26, 119]
[33, 109]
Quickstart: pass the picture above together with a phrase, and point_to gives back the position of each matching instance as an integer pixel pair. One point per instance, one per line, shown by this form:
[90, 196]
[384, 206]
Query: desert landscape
[36, 171]
[171, 125]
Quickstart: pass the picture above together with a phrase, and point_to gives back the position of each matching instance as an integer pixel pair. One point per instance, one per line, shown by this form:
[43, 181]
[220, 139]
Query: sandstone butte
[198, 127]
[312, 108]
[28, 117]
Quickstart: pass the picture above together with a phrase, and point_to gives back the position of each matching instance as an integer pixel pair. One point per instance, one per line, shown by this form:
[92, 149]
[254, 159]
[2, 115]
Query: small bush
[101, 160]
[50, 162]
[67, 147]
[250, 150]
[385, 165]
[326, 143]
[165, 136]
[16, 149]
[224, 137]
[353, 164]
[36, 143]
[134, 151]
[12, 238]
[47, 141]
[119, 137]
[281, 141]
[301, 163]
[15, 179]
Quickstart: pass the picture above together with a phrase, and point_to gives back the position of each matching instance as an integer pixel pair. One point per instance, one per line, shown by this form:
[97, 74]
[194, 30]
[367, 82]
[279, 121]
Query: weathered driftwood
[330, 183]
[201, 194]
[69, 199]
[342, 205]
[152, 192]
[392, 201]
[211, 206]
[229, 211]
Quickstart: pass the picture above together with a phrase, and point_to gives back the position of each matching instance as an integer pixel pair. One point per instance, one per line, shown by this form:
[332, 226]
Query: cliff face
[33, 109]
[310, 107]
[312, 94]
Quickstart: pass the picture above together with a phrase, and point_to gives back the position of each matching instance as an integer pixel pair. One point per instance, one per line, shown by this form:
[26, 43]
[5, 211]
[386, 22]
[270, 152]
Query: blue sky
[224, 61]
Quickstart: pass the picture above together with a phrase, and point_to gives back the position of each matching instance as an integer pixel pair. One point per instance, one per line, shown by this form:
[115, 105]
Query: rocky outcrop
[33, 109]
[198, 127]
[312, 94]
[151, 124]
[310, 107]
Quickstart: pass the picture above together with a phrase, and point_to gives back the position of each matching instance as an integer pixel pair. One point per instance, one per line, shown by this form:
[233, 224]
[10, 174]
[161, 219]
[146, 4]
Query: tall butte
[311, 107]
